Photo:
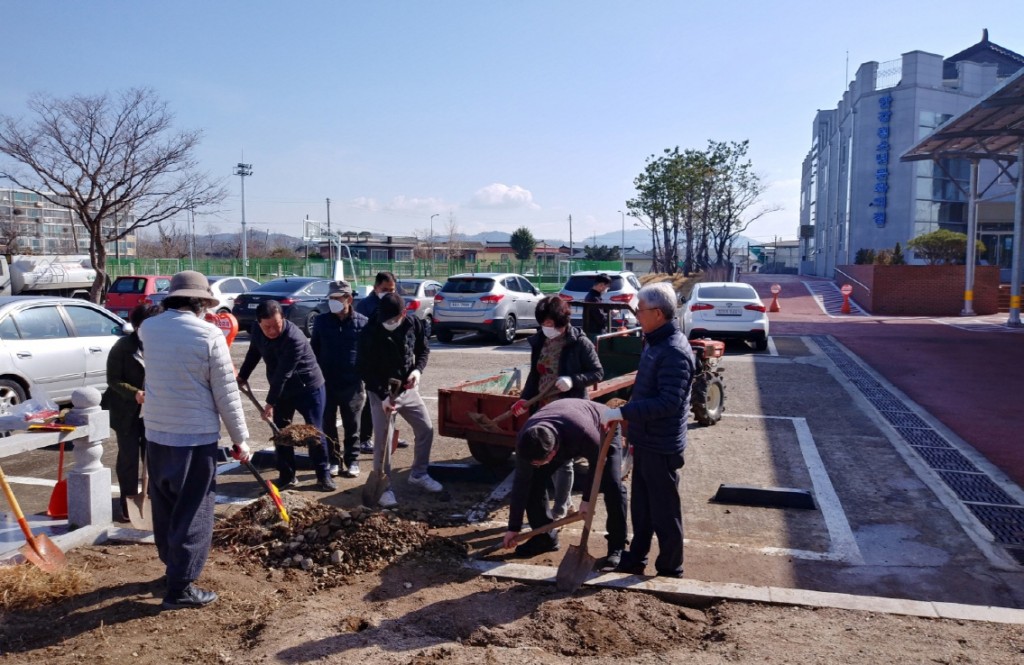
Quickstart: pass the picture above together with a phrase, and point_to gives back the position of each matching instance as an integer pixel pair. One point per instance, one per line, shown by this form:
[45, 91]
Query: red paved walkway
[971, 381]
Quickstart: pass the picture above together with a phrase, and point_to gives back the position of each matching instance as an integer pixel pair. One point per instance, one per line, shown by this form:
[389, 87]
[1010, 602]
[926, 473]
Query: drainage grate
[905, 420]
[923, 437]
[976, 487]
[1005, 523]
[945, 459]
[888, 404]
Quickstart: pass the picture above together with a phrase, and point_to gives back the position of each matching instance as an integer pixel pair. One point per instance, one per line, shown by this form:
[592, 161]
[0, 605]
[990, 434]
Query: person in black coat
[563, 363]
[383, 283]
[296, 384]
[393, 345]
[335, 343]
[596, 321]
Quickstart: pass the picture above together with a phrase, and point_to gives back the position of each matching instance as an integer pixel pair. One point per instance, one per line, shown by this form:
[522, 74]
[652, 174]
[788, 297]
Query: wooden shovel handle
[595, 485]
[20, 516]
[530, 402]
[247, 391]
[523, 537]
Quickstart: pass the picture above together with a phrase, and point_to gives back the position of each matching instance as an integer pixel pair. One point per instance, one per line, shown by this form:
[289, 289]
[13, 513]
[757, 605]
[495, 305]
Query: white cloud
[398, 203]
[497, 195]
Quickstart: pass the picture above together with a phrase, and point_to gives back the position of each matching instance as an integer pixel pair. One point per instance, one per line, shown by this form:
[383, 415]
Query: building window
[379, 255]
[403, 255]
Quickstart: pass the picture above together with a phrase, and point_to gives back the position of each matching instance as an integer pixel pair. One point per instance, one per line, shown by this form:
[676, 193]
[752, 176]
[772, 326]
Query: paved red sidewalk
[971, 381]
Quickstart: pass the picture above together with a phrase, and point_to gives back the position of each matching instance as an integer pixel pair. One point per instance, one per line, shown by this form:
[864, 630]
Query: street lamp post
[243, 170]
[622, 247]
[430, 244]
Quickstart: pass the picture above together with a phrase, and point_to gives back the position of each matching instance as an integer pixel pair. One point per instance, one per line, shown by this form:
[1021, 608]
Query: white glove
[413, 382]
[241, 452]
[609, 416]
[563, 384]
[388, 406]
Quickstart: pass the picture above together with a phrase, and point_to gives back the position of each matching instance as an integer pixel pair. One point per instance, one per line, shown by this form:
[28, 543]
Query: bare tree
[107, 157]
[451, 229]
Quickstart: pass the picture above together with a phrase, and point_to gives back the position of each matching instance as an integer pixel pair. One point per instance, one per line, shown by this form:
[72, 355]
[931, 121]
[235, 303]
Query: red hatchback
[128, 291]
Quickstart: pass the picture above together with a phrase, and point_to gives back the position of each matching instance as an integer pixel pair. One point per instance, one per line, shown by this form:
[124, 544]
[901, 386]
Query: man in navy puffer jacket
[656, 414]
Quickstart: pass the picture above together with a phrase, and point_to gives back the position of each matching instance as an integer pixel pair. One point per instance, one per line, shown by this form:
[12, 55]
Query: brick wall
[919, 290]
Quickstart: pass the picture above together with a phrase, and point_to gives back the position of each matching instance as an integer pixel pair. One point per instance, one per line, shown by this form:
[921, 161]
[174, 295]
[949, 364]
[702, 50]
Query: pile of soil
[331, 544]
[298, 435]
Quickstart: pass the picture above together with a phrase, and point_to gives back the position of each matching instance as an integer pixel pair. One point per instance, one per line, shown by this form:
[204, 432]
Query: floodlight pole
[622, 248]
[243, 170]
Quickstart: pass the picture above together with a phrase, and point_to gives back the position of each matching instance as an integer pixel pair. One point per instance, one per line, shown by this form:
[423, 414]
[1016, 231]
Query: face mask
[336, 306]
[551, 332]
[392, 325]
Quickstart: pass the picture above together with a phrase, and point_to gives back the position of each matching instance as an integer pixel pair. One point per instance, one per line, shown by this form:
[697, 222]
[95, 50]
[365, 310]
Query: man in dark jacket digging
[656, 415]
[296, 384]
[564, 430]
[394, 345]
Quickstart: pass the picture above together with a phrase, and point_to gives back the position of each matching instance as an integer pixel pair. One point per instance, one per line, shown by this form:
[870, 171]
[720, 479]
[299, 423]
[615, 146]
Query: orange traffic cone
[58, 506]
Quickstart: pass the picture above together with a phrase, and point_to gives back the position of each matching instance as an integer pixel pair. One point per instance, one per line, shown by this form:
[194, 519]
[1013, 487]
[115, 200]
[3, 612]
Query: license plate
[253, 305]
[728, 311]
[457, 303]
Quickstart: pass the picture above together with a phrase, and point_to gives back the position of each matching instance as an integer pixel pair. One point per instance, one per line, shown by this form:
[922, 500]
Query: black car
[301, 298]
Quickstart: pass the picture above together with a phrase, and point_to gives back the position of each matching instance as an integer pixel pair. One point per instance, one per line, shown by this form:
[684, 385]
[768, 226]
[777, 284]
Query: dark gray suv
[491, 302]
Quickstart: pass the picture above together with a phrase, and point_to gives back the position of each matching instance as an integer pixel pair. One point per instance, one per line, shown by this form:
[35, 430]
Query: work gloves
[610, 416]
[413, 382]
[241, 452]
[563, 384]
[520, 407]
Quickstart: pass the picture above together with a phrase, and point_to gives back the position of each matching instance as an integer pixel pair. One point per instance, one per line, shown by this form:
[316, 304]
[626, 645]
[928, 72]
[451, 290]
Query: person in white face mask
[334, 341]
[394, 346]
[563, 362]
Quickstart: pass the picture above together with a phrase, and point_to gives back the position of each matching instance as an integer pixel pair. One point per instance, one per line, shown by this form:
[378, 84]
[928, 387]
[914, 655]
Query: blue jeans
[310, 405]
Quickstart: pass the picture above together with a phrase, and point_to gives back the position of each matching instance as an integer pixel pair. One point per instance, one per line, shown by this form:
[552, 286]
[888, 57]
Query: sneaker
[325, 485]
[537, 545]
[425, 483]
[402, 443]
[352, 471]
[191, 596]
[388, 500]
[613, 559]
[366, 447]
[282, 484]
[334, 470]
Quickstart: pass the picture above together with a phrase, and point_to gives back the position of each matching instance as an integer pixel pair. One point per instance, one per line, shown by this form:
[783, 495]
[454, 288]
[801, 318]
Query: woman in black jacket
[563, 363]
[126, 378]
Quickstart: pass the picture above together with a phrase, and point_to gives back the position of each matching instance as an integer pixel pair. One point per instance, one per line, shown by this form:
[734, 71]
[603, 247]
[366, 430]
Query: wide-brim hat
[191, 284]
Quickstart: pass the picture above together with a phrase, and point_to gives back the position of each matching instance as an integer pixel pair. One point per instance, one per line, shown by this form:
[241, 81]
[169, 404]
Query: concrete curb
[699, 592]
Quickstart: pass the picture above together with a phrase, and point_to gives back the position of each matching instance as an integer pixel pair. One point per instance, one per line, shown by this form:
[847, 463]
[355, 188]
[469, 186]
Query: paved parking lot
[885, 522]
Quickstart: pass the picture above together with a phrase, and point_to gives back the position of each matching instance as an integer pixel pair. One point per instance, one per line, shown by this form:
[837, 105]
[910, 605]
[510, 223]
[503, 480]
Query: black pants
[366, 423]
[657, 510]
[131, 447]
[611, 487]
[349, 400]
[310, 405]
[182, 489]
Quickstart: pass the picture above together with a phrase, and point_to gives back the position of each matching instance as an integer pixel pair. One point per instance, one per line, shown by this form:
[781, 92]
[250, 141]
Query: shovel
[282, 437]
[58, 506]
[491, 425]
[247, 391]
[379, 482]
[140, 510]
[271, 490]
[577, 564]
[39, 550]
[523, 537]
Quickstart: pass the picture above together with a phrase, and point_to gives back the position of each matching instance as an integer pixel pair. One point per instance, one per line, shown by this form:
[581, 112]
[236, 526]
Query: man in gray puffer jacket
[190, 388]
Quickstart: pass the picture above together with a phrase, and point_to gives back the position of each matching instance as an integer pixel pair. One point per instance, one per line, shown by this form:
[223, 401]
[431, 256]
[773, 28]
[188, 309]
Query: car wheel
[508, 330]
[761, 344]
[490, 454]
[223, 310]
[708, 399]
[11, 393]
[310, 318]
[444, 335]
[430, 322]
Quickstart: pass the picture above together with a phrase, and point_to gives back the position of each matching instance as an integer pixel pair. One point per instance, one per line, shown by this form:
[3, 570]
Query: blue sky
[496, 114]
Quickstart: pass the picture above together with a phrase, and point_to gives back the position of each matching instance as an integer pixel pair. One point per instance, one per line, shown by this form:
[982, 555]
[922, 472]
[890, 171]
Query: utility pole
[330, 246]
[243, 170]
[570, 243]
[192, 240]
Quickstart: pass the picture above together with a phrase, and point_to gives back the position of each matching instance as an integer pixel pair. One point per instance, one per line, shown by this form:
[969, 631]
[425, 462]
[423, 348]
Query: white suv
[623, 289]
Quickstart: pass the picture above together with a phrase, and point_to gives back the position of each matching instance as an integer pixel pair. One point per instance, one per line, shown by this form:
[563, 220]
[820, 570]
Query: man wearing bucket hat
[334, 341]
[190, 388]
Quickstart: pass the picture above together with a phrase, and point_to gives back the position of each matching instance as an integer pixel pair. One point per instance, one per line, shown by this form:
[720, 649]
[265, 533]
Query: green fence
[543, 274]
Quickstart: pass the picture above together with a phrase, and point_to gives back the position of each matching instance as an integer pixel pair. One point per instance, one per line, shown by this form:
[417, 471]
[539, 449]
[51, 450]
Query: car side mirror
[127, 329]
[536, 291]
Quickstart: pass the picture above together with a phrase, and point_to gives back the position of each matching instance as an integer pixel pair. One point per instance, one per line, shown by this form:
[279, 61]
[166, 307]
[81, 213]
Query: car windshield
[586, 282]
[727, 292]
[283, 286]
[468, 285]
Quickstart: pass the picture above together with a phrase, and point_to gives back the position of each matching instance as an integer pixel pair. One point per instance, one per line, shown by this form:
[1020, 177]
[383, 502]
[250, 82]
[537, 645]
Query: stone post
[89, 481]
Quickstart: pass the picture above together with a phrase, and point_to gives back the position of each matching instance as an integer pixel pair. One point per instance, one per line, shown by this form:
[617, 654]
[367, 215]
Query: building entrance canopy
[992, 129]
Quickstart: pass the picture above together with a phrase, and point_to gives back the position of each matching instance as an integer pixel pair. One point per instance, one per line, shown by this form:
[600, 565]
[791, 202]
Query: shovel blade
[376, 485]
[45, 554]
[140, 512]
[575, 568]
[483, 422]
[58, 506]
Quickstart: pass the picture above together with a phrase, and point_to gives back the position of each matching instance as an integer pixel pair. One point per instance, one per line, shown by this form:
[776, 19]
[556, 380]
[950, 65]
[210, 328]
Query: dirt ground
[373, 587]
